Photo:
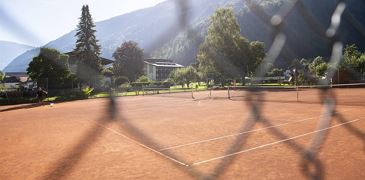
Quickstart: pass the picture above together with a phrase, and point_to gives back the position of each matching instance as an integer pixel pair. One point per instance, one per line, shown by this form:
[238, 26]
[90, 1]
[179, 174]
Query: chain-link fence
[311, 166]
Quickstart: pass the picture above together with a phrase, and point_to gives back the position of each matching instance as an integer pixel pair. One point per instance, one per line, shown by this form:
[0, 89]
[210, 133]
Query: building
[11, 82]
[72, 60]
[14, 80]
[106, 81]
[21, 76]
[159, 69]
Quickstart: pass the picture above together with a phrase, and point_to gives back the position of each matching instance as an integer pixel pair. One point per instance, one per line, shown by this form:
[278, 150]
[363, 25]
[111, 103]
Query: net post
[296, 83]
[331, 83]
[142, 91]
[229, 93]
[192, 93]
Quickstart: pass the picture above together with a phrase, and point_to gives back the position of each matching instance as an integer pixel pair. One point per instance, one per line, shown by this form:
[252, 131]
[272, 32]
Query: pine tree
[87, 49]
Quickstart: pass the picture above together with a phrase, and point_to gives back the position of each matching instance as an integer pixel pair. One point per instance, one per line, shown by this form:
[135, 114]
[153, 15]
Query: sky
[37, 22]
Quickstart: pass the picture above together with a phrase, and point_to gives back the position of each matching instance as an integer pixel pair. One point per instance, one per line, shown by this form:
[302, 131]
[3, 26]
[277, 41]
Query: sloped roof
[72, 59]
[162, 63]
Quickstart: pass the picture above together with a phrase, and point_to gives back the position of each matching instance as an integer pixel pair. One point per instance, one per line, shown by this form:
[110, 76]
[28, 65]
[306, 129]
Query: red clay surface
[173, 137]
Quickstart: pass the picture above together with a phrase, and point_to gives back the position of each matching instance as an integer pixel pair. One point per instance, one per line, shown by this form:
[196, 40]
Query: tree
[225, 53]
[1, 75]
[177, 77]
[87, 49]
[257, 54]
[351, 55]
[190, 75]
[184, 76]
[128, 60]
[353, 59]
[2, 86]
[318, 66]
[361, 64]
[303, 71]
[50, 68]
[108, 72]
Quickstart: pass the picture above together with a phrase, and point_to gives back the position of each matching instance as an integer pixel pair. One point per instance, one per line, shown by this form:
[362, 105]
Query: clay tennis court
[172, 137]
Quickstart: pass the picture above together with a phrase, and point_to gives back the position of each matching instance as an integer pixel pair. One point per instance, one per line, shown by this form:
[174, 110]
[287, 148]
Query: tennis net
[168, 92]
[348, 94]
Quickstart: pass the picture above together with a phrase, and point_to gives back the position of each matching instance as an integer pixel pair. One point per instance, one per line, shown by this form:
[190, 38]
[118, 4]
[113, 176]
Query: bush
[143, 78]
[161, 84]
[120, 80]
[87, 91]
[318, 66]
[184, 76]
[167, 84]
[275, 72]
[139, 85]
[157, 84]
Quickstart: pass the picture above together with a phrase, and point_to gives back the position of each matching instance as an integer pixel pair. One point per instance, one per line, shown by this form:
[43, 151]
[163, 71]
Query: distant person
[40, 94]
[287, 74]
[291, 78]
[293, 75]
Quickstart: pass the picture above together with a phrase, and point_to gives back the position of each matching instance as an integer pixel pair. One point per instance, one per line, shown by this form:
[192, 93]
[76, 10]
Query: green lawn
[173, 89]
[51, 99]
[202, 86]
[272, 84]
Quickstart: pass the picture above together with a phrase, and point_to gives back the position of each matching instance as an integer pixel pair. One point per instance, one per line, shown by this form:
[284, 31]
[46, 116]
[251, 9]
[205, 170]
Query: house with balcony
[159, 69]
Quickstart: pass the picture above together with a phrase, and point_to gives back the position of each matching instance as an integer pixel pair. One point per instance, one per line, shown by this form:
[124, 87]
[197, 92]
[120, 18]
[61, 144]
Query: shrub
[143, 78]
[120, 80]
[87, 91]
[275, 72]
[139, 85]
[157, 84]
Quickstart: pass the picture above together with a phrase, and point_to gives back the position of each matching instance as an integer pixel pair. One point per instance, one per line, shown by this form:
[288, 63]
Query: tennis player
[40, 94]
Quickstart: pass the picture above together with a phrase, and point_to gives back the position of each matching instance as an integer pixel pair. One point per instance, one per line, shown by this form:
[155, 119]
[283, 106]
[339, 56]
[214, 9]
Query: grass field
[175, 137]
[71, 97]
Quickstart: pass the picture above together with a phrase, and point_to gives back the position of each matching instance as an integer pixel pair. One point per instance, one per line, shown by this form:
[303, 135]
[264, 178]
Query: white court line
[143, 145]
[237, 134]
[273, 143]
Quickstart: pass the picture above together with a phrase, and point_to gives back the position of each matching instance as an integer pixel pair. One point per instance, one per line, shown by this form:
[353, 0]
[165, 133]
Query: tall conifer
[87, 49]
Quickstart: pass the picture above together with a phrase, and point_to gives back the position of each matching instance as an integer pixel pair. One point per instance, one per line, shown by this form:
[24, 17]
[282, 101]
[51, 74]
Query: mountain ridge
[10, 50]
[156, 30]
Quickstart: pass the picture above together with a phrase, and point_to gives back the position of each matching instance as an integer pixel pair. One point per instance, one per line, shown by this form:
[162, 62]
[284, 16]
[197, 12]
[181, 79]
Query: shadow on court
[67, 163]
[27, 106]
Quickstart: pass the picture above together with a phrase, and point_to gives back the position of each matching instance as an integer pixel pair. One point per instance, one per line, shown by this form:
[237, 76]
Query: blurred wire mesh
[312, 167]
[254, 96]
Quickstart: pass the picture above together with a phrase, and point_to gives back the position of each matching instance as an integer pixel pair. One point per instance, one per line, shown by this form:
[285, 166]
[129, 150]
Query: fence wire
[311, 166]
